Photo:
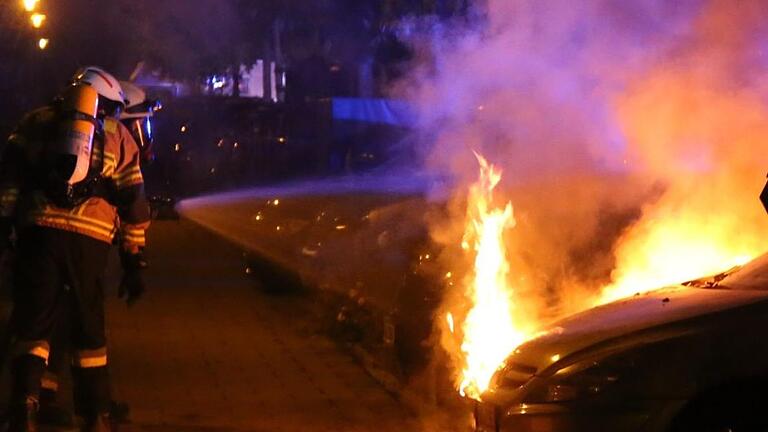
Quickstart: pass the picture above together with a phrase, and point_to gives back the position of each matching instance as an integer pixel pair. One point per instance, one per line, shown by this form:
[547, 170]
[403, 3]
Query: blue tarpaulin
[383, 111]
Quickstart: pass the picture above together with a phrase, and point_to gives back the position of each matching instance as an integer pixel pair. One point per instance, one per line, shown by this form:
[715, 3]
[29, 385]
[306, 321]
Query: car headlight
[580, 381]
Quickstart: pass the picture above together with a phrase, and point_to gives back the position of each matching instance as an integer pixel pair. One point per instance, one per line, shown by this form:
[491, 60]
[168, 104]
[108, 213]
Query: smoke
[630, 134]
[698, 122]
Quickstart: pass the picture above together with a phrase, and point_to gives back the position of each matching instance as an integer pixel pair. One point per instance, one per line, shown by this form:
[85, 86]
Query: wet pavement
[209, 350]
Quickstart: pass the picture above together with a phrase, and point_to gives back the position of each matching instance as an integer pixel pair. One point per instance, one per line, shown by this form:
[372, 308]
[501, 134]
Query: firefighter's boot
[26, 372]
[99, 423]
[92, 398]
[119, 412]
[50, 412]
[22, 417]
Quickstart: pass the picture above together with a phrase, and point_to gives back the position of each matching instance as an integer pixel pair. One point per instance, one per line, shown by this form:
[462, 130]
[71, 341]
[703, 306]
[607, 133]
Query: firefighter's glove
[132, 283]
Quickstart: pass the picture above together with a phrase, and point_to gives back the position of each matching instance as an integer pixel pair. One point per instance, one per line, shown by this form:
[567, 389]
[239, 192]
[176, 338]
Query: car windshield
[751, 276]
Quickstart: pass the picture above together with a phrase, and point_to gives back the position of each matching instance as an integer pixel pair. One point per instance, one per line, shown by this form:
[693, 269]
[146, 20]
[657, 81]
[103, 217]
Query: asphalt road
[209, 350]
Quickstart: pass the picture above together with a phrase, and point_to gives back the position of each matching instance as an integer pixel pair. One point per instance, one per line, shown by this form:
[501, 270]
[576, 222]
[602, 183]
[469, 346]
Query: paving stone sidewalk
[207, 350]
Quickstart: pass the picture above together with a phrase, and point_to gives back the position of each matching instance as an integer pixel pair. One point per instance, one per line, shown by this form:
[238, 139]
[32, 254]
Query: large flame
[697, 137]
[672, 250]
[490, 331]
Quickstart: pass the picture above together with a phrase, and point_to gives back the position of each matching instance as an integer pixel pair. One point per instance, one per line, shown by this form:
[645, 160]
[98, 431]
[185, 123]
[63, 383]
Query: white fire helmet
[137, 117]
[102, 81]
[135, 97]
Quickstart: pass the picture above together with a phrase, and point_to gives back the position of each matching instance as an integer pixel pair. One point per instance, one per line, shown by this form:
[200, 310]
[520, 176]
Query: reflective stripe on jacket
[126, 213]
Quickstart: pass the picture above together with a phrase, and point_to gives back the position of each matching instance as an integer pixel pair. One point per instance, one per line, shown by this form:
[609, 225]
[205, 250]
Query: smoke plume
[631, 136]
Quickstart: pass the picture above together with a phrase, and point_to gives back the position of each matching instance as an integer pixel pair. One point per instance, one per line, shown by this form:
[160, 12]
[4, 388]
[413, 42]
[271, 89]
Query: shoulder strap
[95, 169]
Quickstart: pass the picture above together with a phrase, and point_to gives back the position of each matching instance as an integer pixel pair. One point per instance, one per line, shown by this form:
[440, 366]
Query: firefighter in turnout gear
[136, 117]
[70, 181]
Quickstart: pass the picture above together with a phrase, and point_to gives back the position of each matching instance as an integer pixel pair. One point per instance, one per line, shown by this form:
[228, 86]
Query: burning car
[688, 357]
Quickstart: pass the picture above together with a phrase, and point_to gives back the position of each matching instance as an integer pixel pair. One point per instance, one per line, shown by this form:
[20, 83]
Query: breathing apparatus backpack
[68, 176]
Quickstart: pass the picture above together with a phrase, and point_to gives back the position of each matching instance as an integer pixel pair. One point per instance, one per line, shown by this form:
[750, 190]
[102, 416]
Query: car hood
[618, 321]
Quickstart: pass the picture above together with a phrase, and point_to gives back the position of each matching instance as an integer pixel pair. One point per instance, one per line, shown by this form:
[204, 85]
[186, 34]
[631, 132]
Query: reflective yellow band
[131, 176]
[75, 227]
[49, 381]
[107, 155]
[130, 172]
[134, 241]
[90, 358]
[91, 362]
[79, 225]
[137, 233]
[38, 348]
[54, 215]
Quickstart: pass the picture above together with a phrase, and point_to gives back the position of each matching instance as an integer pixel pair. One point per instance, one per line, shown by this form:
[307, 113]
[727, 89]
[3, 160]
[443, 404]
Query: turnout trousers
[58, 286]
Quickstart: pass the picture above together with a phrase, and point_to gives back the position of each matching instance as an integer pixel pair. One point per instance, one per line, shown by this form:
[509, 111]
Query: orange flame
[695, 135]
[668, 248]
[490, 331]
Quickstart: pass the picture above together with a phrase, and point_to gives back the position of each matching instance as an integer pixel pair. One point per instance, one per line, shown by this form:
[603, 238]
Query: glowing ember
[449, 319]
[490, 331]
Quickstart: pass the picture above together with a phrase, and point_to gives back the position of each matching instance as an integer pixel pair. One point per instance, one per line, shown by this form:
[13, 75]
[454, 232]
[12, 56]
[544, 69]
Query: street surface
[208, 350]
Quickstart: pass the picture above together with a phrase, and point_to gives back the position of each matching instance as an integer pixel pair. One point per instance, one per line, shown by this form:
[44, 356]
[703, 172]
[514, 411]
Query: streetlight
[43, 43]
[30, 5]
[37, 19]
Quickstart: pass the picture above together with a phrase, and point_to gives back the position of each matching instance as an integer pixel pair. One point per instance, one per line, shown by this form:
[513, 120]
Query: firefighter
[136, 118]
[70, 180]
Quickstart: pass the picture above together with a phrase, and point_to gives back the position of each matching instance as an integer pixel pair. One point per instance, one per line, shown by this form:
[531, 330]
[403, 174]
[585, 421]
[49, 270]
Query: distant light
[341, 227]
[177, 147]
[236, 145]
[555, 358]
[276, 202]
[220, 143]
[37, 19]
[217, 82]
[281, 140]
[43, 43]
[183, 128]
[30, 5]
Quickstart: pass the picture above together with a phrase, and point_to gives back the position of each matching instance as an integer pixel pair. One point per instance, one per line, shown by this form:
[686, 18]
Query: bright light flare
[30, 5]
[37, 19]
[43, 43]
[490, 330]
